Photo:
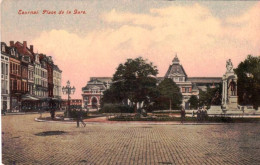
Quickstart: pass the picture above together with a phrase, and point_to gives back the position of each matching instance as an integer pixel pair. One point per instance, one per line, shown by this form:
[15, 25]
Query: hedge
[116, 108]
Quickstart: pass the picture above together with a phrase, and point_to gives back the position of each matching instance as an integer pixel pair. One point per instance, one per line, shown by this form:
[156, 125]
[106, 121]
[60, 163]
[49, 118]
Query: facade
[27, 78]
[50, 76]
[5, 87]
[93, 91]
[56, 82]
[179, 76]
[43, 81]
[73, 102]
[15, 79]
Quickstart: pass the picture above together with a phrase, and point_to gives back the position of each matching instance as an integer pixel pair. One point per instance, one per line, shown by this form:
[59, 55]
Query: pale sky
[204, 34]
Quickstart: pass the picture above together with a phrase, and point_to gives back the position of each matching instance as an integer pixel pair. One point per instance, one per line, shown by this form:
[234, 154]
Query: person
[80, 118]
[52, 112]
[182, 115]
[198, 115]
[232, 86]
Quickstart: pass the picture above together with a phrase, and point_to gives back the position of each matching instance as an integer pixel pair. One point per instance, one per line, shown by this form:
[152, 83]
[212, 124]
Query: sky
[204, 34]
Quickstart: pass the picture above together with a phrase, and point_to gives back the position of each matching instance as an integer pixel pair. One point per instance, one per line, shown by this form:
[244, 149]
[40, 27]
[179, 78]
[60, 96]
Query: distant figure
[199, 115]
[80, 118]
[232, 86]
[52, 112]
[182, 115]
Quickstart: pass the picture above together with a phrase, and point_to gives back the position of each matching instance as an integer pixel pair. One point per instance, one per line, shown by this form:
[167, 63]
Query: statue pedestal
[215, 110]
[232, 103]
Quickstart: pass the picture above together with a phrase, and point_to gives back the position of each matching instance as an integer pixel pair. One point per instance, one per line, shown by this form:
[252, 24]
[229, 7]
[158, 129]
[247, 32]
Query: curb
[132, 123]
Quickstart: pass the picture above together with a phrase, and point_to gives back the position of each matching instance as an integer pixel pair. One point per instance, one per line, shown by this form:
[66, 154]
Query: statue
[232, 85]
[229, 65]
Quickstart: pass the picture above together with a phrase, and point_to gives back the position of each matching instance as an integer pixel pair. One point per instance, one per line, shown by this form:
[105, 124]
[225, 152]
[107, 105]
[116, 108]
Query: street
[26, 141]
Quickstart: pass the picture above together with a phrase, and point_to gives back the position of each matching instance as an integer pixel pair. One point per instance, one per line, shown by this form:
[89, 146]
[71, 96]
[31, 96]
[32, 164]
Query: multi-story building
[44, 77]
[5, 91]
[15, 78]
[27, 78]
[179, 76]
[50, 76]
[93, 91]
[31, 73]
[56, 82]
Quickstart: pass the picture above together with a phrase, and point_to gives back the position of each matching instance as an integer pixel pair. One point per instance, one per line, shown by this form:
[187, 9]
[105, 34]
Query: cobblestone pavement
[23, 143]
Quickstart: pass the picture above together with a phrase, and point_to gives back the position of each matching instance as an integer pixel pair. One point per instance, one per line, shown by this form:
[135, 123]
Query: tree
[210, 97]
[169, 95]
[135, 80]
[194, 102]
[248, 83]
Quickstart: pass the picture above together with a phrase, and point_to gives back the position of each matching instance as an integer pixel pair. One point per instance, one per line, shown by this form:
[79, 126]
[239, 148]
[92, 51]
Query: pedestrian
[80, 118]
[198, 115]
[182, 115]
[52, 112]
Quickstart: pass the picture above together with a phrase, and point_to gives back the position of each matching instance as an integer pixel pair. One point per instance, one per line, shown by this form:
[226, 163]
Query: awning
[29, 98]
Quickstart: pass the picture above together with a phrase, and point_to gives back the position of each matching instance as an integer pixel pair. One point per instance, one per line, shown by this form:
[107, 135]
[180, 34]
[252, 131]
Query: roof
[24, 50]
[175, 69]
[102, 79]
[95, 84]
[205, 79]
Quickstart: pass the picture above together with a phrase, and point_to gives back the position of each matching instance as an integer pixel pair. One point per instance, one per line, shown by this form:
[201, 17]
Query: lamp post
[68, 90]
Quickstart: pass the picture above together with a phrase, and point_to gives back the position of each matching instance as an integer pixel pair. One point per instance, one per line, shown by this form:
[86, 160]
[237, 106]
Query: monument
[229, 88]
[229, 94]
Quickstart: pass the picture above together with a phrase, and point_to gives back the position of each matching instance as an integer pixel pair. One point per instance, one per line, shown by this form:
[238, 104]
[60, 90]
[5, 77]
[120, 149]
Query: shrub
[116, 108]
[74, 113]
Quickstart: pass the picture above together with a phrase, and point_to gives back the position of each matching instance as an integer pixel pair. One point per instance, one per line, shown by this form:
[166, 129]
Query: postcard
[130, 82]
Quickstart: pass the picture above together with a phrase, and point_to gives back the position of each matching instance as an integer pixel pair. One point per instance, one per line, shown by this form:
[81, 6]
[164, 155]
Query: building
[50, 76]
[43, 82]
[27, 78]
[56, 82]
[5, 87]
[73, 103]
[15, 79]
[57, 85]
[179, 76]
[93, 91]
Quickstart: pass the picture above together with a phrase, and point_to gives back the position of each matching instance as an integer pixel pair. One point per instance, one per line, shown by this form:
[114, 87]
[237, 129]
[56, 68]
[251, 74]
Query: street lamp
[68, 90]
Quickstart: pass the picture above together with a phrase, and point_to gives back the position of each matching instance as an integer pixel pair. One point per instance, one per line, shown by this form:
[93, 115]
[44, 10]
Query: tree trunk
[135, 110]
[170, 104]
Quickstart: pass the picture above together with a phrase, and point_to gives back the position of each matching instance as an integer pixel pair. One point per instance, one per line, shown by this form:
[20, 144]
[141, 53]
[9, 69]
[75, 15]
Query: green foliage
[134, 80]
[170, 96]
[194, 102]
[248, 87]
[74, 113]
[116, 108]
[206, 98]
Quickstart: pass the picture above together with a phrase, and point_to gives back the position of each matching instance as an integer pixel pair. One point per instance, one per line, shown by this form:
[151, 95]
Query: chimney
[31, 48]
[11, 43]
[24, 44]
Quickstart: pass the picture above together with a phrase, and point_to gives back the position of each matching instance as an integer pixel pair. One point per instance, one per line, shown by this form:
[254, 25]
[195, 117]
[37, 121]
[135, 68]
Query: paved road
[24, 143]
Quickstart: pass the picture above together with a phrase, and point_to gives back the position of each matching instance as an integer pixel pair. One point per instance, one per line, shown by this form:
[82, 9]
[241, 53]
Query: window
[181, 79]
[6, 69]
[3, 68]
[11, 67]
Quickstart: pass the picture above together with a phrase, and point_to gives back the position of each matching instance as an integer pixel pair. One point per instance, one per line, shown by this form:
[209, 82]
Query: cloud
[203, 42]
